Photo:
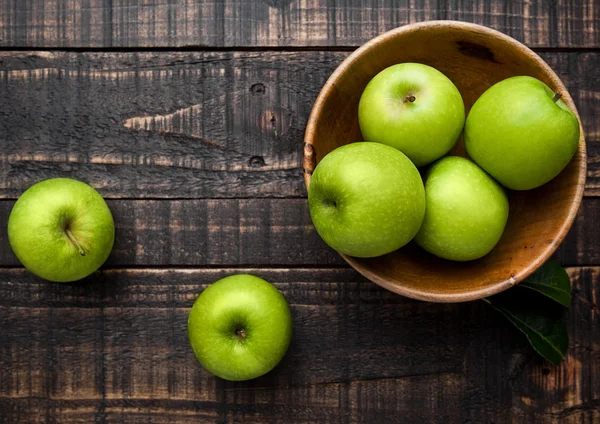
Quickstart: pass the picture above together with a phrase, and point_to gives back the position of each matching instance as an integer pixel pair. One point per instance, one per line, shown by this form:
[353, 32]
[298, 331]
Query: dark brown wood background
[188, 116]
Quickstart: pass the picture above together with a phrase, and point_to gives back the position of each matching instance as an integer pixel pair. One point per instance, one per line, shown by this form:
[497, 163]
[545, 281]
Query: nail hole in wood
[256, 162]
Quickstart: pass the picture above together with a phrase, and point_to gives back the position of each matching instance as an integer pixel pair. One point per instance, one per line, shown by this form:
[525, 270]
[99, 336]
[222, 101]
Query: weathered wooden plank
[235, 23]
[388, 400]
[137, 126]
[359, 354]
[188, 125]
[266, 232]
[163, 288]
[51, 353]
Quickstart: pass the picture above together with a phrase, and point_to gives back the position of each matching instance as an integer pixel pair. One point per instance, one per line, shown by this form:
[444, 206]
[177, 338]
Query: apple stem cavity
[73, 240]
[556, 97]
[330, 202]
[410, 98]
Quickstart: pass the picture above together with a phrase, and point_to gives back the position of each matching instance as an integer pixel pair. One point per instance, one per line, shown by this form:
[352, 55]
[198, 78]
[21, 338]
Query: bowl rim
[309, 162]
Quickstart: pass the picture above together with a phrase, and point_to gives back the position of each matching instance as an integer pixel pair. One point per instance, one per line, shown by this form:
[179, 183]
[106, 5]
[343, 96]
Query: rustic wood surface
[281, 23]
[199, 153]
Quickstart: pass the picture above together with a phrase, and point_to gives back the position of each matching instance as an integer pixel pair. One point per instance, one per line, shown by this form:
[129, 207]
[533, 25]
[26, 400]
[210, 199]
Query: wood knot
[258, 89]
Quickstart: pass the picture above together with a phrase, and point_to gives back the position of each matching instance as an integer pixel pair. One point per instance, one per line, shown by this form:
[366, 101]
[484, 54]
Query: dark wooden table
[188, 116]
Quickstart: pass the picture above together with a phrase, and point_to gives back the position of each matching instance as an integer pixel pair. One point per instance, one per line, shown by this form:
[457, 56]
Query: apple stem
[410, 98]
[556, 97]
[241, 333]
[71, 237]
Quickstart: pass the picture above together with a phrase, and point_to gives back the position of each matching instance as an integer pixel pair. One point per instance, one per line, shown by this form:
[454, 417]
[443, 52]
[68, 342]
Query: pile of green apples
[368, 198]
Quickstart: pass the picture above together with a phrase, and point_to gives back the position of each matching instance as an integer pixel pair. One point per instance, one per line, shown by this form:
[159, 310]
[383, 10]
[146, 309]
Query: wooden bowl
[474, 58]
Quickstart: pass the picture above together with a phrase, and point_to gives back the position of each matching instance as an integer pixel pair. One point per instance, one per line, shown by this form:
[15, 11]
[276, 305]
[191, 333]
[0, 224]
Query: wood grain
[189, 125]
[241, 232]
[280, 23]
[116, 349]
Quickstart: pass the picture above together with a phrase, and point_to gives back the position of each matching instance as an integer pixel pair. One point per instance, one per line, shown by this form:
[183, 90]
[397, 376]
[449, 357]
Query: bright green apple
[466, 211]
[240, 327]
[366, 199]
[414, 108]
[61, 230]
[521, 133]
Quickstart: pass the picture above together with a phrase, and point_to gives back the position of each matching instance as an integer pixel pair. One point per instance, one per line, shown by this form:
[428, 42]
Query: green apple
[414, 108]
[466, 211]
[366, 199]
[521, 133]
[240, 327]
[61, 230]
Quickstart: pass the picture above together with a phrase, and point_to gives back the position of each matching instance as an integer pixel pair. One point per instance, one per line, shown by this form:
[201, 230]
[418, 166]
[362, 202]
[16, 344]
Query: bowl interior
[474, 58]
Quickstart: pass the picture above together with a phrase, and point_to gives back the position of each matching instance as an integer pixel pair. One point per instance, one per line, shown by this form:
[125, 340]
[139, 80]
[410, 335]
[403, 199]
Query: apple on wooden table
[521, 133]
[61, 230]
[366, 199]
[414, 108]
[466, 211]
[240, 327]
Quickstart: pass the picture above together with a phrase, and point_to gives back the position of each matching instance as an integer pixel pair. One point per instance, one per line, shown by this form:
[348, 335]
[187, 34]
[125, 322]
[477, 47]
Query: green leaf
[538, 317]
[552, 281]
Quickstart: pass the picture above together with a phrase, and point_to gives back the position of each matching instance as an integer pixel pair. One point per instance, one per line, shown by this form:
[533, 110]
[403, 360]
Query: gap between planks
[203, 48]
[247, 267]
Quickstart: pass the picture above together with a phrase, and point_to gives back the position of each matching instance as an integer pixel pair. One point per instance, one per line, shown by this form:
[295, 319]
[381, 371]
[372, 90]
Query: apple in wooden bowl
[474, 58]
